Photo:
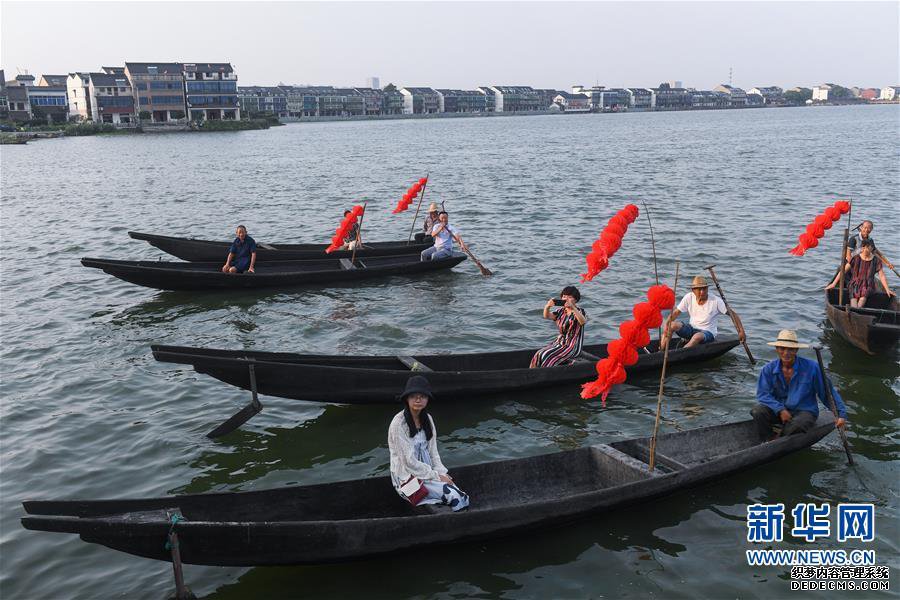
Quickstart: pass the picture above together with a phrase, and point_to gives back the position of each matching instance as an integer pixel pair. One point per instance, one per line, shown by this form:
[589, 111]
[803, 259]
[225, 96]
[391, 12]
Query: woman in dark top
[570, 321]
[863, 268]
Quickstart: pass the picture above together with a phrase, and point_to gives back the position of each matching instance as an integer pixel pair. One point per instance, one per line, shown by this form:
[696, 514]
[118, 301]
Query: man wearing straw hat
[431, 219]
[787, 391]
[703, 310]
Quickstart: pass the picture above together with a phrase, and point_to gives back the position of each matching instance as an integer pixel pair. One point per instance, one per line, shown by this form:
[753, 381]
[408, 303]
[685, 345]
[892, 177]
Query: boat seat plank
[266, 246]
[413, 365]
[346, 264]
[589, 356]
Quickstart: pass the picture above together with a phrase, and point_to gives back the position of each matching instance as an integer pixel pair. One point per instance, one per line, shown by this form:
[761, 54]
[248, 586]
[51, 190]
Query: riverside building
[158, 90]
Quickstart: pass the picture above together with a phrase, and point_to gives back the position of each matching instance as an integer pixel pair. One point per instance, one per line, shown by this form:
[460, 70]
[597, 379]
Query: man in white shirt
[443, 234]
[703, 310]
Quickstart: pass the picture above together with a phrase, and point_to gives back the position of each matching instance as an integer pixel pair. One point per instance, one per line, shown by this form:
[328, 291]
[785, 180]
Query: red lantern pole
[358, 235]
[844, 258]
[416, 216]
[662, 380]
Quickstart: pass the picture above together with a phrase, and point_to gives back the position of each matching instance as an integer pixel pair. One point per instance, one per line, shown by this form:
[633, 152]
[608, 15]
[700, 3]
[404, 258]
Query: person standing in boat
[863, 268]
[703, 311]
[444, 234]
[417, 472]
[787, 390]
[570, 320]
[350, 240]
[241, 254]
[855, 242]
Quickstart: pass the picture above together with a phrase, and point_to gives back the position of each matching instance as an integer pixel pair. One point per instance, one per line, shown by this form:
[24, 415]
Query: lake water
[87, 412]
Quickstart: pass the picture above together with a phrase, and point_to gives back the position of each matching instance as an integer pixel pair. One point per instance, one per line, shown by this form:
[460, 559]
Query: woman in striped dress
[570, 321]
[863, 268]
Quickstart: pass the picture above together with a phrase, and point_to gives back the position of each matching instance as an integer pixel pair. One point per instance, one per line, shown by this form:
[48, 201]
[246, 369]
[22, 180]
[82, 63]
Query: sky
[467, 44]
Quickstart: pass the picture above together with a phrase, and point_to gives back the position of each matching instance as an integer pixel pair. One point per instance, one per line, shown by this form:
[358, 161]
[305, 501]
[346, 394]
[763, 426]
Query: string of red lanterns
[410, 195]
[822, 223]
[623, 352]
[609, 241]
[344, 228]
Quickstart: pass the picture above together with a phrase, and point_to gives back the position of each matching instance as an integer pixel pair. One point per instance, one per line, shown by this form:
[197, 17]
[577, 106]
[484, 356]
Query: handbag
[414, 490]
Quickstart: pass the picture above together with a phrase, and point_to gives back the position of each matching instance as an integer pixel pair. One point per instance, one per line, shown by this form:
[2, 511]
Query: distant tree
[145, 115]
[177, 114]
[839, 93]
[798, 96]
[390, 88]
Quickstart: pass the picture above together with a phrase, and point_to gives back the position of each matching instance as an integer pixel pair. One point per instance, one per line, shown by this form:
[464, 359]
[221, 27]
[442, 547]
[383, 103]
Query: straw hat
[787, 338]
[699, 282]
[433, 207]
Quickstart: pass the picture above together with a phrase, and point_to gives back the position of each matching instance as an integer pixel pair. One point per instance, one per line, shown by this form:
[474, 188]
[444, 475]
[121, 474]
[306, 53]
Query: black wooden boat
[279, 274]
[378, 379]
[210, 251]
[355, 519]
[874, 328]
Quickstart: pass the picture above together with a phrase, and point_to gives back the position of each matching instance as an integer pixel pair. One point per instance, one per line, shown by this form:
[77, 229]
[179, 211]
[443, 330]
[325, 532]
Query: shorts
[687, 332]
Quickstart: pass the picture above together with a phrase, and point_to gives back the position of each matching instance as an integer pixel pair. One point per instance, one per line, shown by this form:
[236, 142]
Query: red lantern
[647, 315]
[661, 296]
[843, 206]
[621, 351]
[608, 242]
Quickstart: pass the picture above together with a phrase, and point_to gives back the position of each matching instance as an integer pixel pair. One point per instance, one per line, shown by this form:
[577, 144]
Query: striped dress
[862, 276]
[567, 344]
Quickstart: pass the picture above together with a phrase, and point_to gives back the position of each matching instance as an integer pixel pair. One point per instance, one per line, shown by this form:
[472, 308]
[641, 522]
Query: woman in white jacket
[417, 472]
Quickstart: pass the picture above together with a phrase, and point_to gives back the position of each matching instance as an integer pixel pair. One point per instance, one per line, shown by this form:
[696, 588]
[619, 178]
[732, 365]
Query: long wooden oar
[730, 312]
[662, 380]
[886, 262]
[830, 397]
[243, 415]
[653, 247]
[484, 270]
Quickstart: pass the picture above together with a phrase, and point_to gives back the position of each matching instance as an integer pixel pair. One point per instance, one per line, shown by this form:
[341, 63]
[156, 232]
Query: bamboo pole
[418, 207]
[662, 380]
[358, 234]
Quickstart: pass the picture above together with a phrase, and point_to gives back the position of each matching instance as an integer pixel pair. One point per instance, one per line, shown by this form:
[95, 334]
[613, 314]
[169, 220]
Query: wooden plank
[346, 264]
[413, 364]
[589, 356]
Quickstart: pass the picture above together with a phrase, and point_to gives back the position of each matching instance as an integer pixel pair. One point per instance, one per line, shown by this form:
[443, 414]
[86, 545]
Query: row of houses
[179, 92]
[326, 101]
[150, 92]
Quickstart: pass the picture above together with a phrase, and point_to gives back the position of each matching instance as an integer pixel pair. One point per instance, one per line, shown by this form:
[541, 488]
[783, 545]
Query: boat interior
[503, 484]
[884, 309]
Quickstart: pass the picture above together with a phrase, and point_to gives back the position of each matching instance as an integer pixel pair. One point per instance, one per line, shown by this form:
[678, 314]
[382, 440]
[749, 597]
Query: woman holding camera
[570, 321]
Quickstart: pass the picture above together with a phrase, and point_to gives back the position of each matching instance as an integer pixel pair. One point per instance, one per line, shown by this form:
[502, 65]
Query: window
[142, 86]
[152, 70]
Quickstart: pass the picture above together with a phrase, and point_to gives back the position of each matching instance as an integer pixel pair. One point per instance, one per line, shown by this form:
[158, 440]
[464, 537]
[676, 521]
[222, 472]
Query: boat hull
[874, 329]
[211, 251]
[358, 519]
[280, 274]
[377, 380]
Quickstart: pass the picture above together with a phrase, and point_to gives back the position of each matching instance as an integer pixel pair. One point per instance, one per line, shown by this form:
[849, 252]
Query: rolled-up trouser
[765, 418]
[435, 252]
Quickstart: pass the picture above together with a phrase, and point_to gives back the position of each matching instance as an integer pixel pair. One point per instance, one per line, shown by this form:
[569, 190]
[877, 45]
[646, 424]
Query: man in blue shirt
[787, 391]
[241, 254]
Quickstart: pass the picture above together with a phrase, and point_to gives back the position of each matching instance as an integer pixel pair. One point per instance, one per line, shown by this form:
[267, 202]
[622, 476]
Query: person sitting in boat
[431, 219]
[787, 391]
[854, 244]
[417, 472]
[241, 254]
[570, 320]
[443, 233]
[350, 241]
[703, 311]
[863, 267]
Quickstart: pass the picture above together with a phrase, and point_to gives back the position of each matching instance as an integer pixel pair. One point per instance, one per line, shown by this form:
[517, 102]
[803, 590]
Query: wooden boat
[210, 251]
[333, 522]
[378, 379]
[280, 274]
[874, 328]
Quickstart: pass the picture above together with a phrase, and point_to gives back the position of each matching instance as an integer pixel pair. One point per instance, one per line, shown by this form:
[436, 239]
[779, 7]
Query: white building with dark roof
[517, 98]
[420, 100]
[112, 99]
[890, 93]
[736, 95]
